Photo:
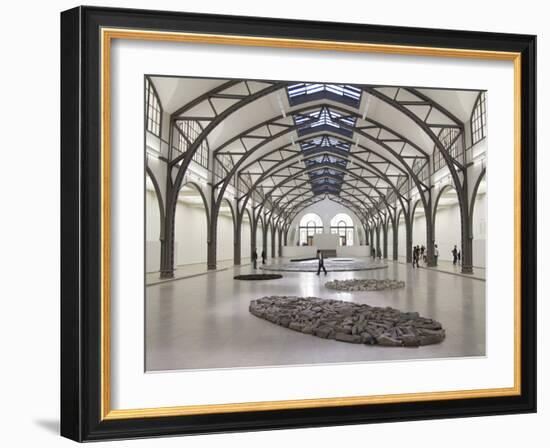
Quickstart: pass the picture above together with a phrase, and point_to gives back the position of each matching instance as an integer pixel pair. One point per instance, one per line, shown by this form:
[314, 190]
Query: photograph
[277, 224]
[302, 223]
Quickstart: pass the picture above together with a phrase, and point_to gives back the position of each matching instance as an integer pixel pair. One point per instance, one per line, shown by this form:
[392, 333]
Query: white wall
[419, 227]
[478, 228]
[447, 230]
[259, 239]
[226, 237]
[152, 232]
[245, 240]
[326, 210]
[326, 241]
[402, 237]
[191, 234]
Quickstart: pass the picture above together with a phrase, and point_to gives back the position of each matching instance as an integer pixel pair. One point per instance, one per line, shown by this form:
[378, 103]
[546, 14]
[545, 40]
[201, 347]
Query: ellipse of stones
[258, 277]
[349, 322]
[364, 284]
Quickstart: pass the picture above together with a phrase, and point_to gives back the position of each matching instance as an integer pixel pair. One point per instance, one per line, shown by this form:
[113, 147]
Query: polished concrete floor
[203, 322]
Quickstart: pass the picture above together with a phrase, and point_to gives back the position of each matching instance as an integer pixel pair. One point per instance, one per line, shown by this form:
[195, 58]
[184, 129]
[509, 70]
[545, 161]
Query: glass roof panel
[300, 93]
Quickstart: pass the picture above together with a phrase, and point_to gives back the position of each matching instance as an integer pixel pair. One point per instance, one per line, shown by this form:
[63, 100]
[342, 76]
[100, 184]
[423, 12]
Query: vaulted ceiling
[292, 144]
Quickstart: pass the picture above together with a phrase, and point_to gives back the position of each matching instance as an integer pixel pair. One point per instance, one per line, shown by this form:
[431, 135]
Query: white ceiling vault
[295, 143]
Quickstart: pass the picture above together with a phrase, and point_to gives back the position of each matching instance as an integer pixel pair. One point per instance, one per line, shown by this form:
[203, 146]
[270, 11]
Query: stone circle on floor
[331, 265]
[364, 284]
[349, 321]
[258, 277]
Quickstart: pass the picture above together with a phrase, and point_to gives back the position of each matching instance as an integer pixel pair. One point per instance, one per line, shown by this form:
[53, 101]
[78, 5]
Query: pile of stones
[364, 284]
[348, 321]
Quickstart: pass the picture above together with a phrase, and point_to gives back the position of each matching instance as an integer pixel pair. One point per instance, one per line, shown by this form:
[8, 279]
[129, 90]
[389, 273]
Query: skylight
[324, 119]
[325, 141]
[319, 182]
[303, 92]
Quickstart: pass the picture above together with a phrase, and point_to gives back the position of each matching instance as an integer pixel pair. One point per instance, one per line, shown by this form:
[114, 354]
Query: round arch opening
[342, 225]
[310, 225]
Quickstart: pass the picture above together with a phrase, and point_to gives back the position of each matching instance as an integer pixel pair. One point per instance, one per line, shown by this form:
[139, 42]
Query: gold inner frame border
[107, 35]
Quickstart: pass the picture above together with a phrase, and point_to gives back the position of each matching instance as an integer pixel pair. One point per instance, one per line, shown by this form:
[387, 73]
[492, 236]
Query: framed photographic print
[276, 224]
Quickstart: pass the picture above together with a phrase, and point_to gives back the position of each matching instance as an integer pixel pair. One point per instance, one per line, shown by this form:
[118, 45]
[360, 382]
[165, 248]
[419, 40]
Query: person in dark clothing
[415, 256]
[321, 263]
[422, 249]
[264, 256]
[436, 254]
[458, 256]
[379, 253]
[255, 259]
[455, 254]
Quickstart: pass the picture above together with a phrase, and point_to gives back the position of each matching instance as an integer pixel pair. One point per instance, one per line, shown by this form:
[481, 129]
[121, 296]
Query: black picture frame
[81, 224]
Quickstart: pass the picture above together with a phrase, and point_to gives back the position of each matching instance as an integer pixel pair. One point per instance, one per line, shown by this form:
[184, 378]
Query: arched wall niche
[447, 222]
[191, 229]
[154, 217]
[226, 232]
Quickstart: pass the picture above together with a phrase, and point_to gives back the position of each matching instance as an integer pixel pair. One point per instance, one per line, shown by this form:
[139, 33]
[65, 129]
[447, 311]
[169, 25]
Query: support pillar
[466, 237]
[273, 245]
[212, 243]
[395, 236]
[408, 238]
[264, 238]
[430, 236]
[384, 241]
[377, 240]
[254, 227]
[237, 239]
[167, 243]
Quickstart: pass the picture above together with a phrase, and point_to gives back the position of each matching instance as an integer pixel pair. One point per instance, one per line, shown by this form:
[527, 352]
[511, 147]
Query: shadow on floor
[51, 426]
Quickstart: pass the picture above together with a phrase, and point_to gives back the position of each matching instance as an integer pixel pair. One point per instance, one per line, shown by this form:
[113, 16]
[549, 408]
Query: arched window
[187, 131]
[223, 165]
[478, 121]
[310, 224]
[449, 138]
[342, 225]
[153, 110]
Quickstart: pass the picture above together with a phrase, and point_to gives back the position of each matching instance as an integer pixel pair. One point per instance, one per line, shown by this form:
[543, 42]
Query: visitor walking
[436, 254]
[379, 253]
[321, 260]
[422, 249]
[264, 257]
[455, 255]
[255, 259]
[459, 257]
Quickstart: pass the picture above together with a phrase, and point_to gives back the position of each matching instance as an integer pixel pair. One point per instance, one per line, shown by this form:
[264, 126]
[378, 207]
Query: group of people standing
[456, 255]
[255, 258]
[375, 253]
[420, 253]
